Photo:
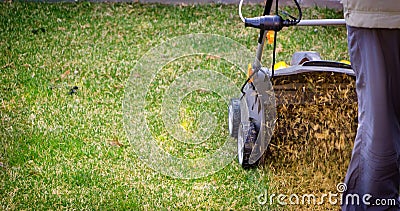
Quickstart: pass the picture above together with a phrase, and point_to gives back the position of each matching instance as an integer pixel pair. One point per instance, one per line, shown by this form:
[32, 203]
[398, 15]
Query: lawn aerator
[252, 116]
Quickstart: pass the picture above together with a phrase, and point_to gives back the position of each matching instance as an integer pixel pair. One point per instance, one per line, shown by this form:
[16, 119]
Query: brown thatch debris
[314, 133]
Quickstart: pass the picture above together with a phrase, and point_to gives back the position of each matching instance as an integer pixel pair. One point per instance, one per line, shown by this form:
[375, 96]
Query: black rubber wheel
[247, 138]
[234, 117]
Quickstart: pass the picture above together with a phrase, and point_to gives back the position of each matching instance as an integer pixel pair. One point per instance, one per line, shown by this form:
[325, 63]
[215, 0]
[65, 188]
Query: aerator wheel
[234, 117]
[247, 136]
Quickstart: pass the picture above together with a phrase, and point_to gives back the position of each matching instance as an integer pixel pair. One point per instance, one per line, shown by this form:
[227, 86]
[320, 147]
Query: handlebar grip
[267, 22]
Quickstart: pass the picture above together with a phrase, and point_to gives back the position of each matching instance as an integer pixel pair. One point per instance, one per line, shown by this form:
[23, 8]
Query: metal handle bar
[322, 22]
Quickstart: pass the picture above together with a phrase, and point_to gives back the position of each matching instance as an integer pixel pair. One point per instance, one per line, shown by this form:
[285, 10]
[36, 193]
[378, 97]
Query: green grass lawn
[70, 151]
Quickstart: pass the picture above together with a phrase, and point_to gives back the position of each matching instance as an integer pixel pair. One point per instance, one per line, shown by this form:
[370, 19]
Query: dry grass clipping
[313, 138]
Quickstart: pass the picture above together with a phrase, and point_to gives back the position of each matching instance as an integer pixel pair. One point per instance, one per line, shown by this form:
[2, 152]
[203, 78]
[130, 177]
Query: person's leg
[374, 166]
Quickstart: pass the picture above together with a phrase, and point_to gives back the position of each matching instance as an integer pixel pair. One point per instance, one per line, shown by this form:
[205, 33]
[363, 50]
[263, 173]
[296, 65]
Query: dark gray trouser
[374, 166]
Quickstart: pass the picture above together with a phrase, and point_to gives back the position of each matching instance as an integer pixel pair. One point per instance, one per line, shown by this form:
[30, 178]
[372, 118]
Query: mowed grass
[62, 150]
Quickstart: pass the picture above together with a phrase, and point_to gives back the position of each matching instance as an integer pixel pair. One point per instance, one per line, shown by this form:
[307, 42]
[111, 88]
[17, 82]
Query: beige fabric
[372, 13]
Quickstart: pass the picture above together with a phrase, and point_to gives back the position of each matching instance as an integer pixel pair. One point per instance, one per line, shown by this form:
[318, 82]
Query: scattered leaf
[115, 142]
[65, 74]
